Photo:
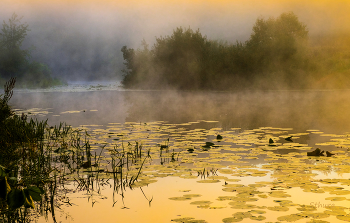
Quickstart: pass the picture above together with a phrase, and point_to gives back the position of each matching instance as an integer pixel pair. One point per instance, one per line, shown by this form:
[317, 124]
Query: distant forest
[278, 55]
[16, 62]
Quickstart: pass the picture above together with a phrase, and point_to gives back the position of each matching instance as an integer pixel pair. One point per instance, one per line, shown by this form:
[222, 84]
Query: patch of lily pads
[251, 166]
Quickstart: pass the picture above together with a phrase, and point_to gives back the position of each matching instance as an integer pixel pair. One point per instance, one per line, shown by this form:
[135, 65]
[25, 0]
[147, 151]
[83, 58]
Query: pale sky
[228, 20]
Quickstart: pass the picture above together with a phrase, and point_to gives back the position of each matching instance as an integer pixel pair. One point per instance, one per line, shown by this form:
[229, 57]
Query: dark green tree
[276, 41]
[179, 58]
[138, 63]
[13, 59]
[5, 110]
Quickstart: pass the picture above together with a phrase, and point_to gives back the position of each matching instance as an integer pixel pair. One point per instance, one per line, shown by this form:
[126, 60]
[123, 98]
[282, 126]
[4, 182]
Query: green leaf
[28, 200]
[2, 171]
[4, 188]
[35, 193]
[15, 198]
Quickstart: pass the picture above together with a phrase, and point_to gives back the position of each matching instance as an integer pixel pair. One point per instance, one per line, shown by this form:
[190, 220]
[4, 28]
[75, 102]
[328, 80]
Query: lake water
[242, 177]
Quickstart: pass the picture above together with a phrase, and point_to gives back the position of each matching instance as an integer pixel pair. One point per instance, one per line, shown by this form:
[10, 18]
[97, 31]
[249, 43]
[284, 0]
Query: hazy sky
[225, 19]
[105, 26]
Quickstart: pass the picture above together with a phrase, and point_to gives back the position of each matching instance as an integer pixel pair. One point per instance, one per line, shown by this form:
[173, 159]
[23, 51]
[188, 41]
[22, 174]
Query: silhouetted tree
[12, 58]
[178, 58]
[138, 67]
[275, 41]
[14, 61]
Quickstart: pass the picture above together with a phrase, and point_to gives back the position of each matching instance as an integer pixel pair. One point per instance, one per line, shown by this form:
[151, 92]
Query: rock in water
[329, 154]
[289, 139]
[316, 152]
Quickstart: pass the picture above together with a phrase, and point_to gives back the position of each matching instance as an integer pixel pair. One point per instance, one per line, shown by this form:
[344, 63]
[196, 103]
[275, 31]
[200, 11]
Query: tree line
[278, 55]
[275, 55]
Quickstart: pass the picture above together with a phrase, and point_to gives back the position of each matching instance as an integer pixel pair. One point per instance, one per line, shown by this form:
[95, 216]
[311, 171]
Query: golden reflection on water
[273, 173]
[135, 207]
[256, 188]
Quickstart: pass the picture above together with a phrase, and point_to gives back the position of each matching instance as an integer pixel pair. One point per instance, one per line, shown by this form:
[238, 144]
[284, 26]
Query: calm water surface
[301, 110]
[247, 179]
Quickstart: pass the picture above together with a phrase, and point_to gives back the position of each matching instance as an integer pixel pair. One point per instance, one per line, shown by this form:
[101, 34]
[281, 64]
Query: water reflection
[301, 110]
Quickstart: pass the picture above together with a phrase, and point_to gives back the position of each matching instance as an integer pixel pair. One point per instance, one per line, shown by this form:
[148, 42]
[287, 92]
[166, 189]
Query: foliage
[21, 154]
[15, 62]
[5, 110]
[178, 58]
[330, 60]
[12, 58]
[38, 75]
[189, 60]
[16, 131]
[276, 39]
[277, 46]
[138, 65]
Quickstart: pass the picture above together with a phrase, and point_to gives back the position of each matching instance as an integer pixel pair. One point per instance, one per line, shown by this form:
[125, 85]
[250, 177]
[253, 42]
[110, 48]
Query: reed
[37, 160]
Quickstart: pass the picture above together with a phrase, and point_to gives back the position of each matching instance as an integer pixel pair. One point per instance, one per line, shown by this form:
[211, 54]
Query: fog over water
[301, 110]
[82, 39]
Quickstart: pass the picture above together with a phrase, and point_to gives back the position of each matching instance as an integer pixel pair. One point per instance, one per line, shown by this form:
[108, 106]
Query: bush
[5, 110]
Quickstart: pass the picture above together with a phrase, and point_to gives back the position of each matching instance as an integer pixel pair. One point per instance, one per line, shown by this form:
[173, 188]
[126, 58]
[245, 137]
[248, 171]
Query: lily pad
[201, 203]
[290, 218]
[278, 208]
[344, 217]
[188, 220]
[208, 181]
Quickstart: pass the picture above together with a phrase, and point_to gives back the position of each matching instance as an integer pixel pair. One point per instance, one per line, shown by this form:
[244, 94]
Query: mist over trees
[275, 56]
[279, 54]
[15, 61]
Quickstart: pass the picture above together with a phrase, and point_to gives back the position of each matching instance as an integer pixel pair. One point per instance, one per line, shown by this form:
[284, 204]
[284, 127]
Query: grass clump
[24, 164]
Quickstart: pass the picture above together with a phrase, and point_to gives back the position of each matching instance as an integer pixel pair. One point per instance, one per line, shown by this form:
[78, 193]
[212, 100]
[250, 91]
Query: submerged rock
[86, 165]
[289, 139]
[329, 154]
[316, 152]
[190, 150]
